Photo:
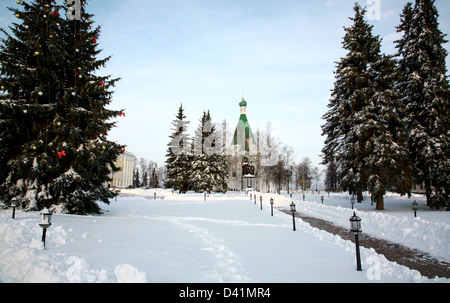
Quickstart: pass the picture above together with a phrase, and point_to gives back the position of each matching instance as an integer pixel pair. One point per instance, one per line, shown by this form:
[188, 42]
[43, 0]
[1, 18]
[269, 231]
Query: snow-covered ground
[225, 239]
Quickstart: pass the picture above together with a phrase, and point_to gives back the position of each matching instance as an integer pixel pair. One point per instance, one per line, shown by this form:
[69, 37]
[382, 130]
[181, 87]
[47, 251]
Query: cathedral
[244, 158]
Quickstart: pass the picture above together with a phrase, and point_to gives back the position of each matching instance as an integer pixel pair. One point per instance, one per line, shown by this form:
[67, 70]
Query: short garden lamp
[14, 205]
[322, 198]
[293, 210]
[355, 227]
[303, 197]
[260, 201]
[415, 208]
[46, 222]
[271, 206]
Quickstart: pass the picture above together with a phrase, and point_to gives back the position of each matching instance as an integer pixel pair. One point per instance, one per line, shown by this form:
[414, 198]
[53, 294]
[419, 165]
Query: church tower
[243, 136]
[243, 154]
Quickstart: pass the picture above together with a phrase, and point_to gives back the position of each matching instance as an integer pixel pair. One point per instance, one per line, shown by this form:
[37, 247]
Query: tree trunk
[428, 190]
[359, 196]
[380, 203]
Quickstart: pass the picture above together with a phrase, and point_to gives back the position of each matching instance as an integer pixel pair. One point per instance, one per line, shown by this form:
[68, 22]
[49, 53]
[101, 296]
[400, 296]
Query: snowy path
[183, 239]
[226, 267]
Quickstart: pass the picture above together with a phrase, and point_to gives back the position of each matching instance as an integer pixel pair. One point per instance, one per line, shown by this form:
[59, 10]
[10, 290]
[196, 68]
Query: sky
[207, 54]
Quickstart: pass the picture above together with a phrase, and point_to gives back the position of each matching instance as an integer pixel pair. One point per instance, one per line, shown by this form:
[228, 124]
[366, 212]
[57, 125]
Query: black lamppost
[14, 204]
[250, 196]
[352, 201]
[355, 227]
[271, 206]
[415, 208]
[322, 198]
[46, 222]
[288, 174]
[254, 198]
[293, 210]
[204, 195]
[260, 201]
[303, 197]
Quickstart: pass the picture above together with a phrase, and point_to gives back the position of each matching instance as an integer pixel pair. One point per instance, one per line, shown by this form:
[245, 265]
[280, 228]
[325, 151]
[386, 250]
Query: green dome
[243, 103]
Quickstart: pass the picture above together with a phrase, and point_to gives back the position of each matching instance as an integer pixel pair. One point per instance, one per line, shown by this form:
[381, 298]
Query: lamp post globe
[293, 207]
[46, 222]
[355, 224]
[14, 205]
[46, 218]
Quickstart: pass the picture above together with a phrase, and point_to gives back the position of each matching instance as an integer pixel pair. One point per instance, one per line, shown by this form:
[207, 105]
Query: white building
[124, 178]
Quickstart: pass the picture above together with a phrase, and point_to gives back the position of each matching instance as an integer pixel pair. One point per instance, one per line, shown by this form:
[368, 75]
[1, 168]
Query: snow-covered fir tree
[331, 177]
[154, 180]
[54, 150]
[426, 94]
[365, 134]
[209, 164]
[383, 135]
[352, 88]
[136, 178]
[178, 157]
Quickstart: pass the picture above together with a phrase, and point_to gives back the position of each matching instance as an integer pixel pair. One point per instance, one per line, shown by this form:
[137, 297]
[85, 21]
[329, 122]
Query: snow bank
[128, 274]
[23, 259]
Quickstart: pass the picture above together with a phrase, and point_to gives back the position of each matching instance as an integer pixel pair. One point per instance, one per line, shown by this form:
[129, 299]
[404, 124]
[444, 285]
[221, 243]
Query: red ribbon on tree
[62, 154]
[55, 13]
[122, 114]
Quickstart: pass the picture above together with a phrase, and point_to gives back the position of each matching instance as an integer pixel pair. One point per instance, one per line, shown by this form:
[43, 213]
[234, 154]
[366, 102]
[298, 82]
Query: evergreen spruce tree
[200, 173]
[178, 157]
[426, 92]
[136, 178]
[218, 162]
[383, 130]
[53, 117]
[331, 177]
[209, 164]
[351, 91]
[144, 179]
[154, 180]
[365, 133]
